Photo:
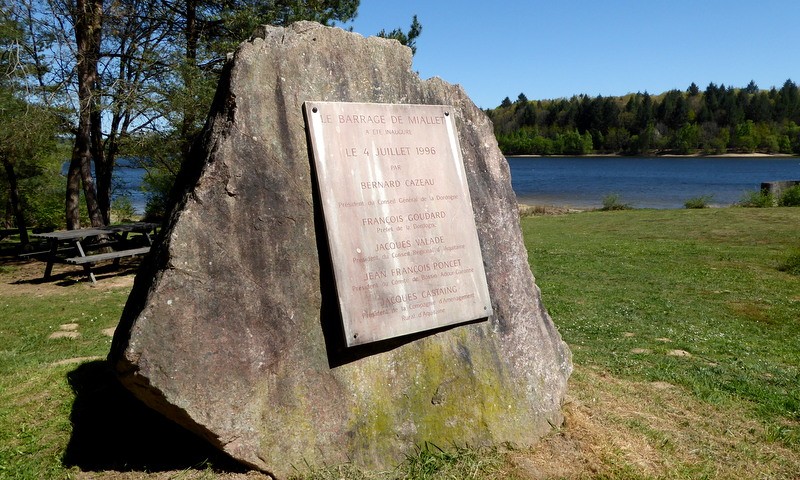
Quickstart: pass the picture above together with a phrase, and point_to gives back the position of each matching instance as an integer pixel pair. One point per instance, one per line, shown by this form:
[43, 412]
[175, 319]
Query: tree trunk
[80, 173]
[88, 19]
[103, 169]
[73, 213]
[89, 193]
[16, 205]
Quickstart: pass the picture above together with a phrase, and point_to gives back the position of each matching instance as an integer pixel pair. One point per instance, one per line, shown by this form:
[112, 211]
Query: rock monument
[234, 328]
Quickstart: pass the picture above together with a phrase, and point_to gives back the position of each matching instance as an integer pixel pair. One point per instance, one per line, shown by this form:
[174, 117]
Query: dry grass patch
[541, 210]
[752, 311]
[625, 429]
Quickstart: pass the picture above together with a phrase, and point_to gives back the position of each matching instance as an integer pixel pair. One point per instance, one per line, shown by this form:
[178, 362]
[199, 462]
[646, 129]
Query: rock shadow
[113, 430]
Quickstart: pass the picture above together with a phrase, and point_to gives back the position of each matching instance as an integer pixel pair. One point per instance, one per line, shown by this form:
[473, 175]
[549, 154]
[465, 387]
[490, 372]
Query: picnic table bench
[99, 257]
[66, 243]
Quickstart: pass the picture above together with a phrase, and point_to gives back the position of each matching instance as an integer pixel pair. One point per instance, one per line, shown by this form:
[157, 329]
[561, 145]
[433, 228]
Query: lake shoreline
[540, 210]
[583, 183]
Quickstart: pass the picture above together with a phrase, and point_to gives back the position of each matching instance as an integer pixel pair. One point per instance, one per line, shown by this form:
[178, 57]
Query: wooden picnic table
[74, 246]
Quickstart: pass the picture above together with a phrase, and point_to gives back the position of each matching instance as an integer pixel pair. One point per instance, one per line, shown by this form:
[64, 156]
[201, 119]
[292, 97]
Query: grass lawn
[685, 334]
[685, 331]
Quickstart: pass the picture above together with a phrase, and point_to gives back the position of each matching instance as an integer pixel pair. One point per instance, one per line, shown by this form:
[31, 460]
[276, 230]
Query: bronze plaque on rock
[399, 220]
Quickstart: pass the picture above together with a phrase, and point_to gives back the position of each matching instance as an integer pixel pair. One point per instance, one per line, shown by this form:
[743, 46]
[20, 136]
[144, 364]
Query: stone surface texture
[232, 328]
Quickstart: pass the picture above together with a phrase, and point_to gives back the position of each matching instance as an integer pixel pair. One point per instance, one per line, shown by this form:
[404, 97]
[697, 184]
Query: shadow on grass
[113, 430]
[78, 275]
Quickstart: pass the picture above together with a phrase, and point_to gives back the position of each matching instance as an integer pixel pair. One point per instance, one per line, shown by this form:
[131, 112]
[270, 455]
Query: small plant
[123, 209]
[792, 264]
[790, 197]
[612, 201]
[777, 433]
[334, 472]
[432, 462]
[757, 199]
[698, 202]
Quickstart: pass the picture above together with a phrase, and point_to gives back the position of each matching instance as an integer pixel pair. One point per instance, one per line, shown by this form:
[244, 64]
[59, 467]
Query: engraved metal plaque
[399, 219]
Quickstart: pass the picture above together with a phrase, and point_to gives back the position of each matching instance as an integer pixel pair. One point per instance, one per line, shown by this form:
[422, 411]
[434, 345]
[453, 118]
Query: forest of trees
[717, 120]
[88, 82]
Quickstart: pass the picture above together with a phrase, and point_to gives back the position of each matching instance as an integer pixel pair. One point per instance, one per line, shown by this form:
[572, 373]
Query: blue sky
[559, 48]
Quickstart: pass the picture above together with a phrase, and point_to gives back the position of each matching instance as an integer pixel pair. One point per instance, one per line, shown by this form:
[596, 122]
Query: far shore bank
[535, 210]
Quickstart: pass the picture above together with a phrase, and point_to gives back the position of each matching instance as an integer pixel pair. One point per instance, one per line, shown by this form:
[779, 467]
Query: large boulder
[233, 329]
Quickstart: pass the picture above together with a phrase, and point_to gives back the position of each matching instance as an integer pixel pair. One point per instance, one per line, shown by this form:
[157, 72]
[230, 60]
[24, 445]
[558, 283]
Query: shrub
[792, 264]
[158, 183]
[612, 201]
[122, 209]
[698, 202]
[757, 199]
[790, 197]
[43, 200]
[45, 210]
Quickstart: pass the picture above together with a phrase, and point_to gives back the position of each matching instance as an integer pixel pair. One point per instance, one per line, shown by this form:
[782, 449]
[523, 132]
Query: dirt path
[25, 277]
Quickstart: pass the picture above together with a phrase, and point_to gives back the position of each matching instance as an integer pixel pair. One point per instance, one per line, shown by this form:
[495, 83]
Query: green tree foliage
[409, 38]
[28, 139]
[204, 32]
[716, 120]
[137, 77]
[198, 35]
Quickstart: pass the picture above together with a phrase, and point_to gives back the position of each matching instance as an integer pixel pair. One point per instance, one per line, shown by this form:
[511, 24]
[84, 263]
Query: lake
[663, 182]
[126, 181]
[582, 182]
